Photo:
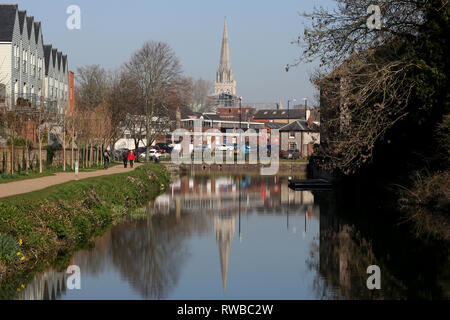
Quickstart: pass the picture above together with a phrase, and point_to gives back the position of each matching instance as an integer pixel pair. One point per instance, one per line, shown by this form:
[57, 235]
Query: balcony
[33, 101]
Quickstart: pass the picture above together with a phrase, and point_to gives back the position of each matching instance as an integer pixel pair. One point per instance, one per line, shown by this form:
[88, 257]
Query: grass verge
[38, 228]
[48, 171]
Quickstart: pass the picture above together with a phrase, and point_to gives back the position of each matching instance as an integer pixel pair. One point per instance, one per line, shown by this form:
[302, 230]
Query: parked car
[178, 147]
[154, 154]
[203, 148]
[224, 147]
[163, 147]
[290, 154]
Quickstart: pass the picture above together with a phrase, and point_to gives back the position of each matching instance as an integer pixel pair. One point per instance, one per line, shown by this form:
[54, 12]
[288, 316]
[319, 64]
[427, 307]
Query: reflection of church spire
[224, 227]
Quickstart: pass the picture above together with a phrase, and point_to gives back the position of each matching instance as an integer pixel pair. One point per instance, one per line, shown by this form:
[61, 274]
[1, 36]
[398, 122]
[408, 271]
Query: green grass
[63, 217]
[47, 171]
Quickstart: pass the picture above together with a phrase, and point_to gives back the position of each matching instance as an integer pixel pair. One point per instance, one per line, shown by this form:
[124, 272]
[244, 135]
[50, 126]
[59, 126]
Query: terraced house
[31, 74]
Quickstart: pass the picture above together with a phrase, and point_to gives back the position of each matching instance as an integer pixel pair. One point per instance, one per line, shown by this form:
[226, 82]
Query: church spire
[225, 63]
[225, 78]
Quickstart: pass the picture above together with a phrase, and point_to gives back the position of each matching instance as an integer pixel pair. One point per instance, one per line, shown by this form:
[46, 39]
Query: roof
[37, 28]
[30, 22]
[299, 125]
[54, 57]
[64, 62]
[274, 125]
[211, 116]
[280, 114]
[59, 54]
[22, 15]
[47, 52]
[7, 21]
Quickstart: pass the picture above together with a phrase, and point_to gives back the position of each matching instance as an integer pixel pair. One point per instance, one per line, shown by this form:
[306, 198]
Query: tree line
[141, 97]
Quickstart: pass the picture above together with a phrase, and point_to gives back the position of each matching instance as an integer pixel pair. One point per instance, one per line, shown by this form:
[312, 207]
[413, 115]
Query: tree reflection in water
[148, 254]
[340, 263]
[351, 240]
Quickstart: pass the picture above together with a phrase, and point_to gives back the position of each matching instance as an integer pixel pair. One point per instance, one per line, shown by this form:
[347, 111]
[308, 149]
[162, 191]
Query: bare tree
[200, 89]
[363, 80]
[156, 72]
[335, 35]
[121, 98]
[92, 86]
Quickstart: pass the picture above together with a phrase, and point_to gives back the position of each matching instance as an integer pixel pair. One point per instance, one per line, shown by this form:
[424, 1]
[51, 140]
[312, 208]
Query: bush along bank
[39, 227]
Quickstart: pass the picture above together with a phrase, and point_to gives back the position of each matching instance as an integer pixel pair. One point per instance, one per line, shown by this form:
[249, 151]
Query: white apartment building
[31, 73]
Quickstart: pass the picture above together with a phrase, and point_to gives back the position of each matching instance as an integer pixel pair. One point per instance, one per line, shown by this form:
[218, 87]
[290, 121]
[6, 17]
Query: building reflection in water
[227, 199]
[150, 254]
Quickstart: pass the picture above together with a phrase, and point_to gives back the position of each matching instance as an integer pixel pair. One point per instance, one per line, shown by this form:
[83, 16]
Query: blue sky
[260, 32]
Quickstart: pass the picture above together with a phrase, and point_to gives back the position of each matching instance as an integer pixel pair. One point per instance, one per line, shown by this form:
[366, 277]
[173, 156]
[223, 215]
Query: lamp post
[240, 112]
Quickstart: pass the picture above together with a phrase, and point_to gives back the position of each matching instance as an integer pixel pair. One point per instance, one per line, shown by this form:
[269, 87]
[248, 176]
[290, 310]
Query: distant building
[71, 105]
[233, 114]
[280, 116]
[300, 135]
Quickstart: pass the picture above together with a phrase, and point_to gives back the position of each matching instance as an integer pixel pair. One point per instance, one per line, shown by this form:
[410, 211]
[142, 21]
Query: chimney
[307, 113]
[310, 122]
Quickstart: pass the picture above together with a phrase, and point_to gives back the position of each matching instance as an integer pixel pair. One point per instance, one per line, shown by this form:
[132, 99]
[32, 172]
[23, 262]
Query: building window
[16, 57]
[292, 145]
[24, 61]
[292, 134]
[40, 69]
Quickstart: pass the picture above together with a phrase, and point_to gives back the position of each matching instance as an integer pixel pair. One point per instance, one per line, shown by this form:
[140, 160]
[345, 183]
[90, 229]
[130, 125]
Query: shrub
[8, 249]
[428, 204]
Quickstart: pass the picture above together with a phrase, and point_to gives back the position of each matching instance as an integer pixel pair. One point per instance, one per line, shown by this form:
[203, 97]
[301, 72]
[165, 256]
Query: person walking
[131, 158]
[106, 158]
[125, 158]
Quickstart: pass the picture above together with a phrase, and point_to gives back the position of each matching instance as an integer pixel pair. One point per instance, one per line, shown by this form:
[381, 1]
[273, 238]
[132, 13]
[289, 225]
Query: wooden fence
[21, 158]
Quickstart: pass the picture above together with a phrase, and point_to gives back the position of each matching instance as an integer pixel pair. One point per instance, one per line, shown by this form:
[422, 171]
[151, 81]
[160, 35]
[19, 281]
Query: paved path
[30, 185]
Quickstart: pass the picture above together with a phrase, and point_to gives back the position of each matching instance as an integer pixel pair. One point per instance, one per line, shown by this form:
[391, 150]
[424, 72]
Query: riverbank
[38, 228]
[285, 168]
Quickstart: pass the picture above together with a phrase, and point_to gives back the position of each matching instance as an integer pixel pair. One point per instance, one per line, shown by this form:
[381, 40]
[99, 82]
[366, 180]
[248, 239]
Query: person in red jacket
[131, 159]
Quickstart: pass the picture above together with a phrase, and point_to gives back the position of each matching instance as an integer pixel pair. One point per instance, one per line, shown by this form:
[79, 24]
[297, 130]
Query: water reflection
[231, 237]
[50, 285]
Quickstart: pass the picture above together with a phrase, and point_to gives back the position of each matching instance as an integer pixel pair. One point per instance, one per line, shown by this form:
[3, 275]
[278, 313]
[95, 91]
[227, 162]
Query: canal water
[237, 237]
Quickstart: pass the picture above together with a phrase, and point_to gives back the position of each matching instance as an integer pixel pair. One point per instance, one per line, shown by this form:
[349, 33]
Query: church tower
[225, 82]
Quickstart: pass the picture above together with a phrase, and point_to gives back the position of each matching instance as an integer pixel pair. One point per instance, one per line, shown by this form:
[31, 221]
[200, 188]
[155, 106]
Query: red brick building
[71, 103]
[232, 114]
